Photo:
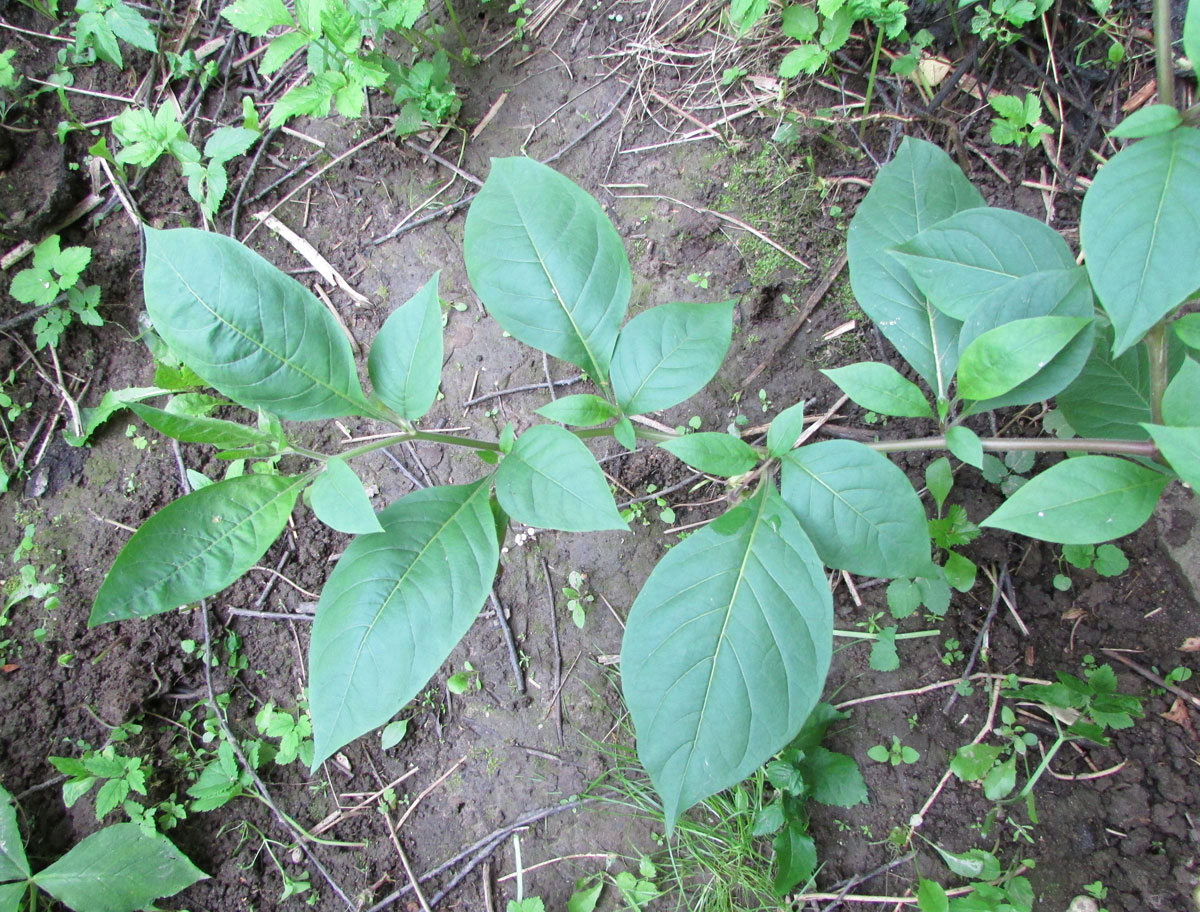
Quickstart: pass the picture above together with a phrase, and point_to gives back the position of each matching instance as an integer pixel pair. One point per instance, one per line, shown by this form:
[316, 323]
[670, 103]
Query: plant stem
[1164, 59]
[1156, 346]
[863, 635]
[454, 440]
[1033, 444]
[462, 36]
[871, 76]
[1041, 768]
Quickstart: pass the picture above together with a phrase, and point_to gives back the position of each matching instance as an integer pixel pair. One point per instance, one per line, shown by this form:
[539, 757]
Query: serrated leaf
[880, 388]
[808, 58]
[256, 17]
[1146, 262]
[903, 598]
[884, 656]
[579, 410]
[714, 453]
[785, 429]
[736, 616]
[131, 27]
[280, 51]
[966, 445]
[975, 254]
[551, 480]
[920, 187]
[339, 500]
[1181, 401]
[1082, 501]
[769, 819]
[859, 509]
[13, 863]
[196, 546]
[931, 897]
[313, 98]
[743, 14]
[548, 264]
[1180, 447]
[229, 142]
[395, 606]
[405, 363]
[795, 858]
[668, 353]
[1148, 121]
[252, 332]
[800, 22]
[833, 778]
[1001, 358]
[118, 869]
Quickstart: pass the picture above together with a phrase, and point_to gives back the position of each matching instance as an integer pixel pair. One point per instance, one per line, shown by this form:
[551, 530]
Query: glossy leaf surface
[118, 869]
[1180, 446]
[1140, 229]
[339, 500]
[395, 605]
[1111, 396]
[880, 388]
[713, 452]
[668, 353]
[548, 264]
[580, 410]
[917, 189]
[1000, 359]
[252, 332]
[1082, 501]
[405, 362]
[859, 509]
[196, 546]
[551, 480]
[726, 650]
[785, 429]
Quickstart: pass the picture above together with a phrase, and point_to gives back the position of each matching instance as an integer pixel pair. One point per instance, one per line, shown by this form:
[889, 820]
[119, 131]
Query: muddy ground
[604, 86]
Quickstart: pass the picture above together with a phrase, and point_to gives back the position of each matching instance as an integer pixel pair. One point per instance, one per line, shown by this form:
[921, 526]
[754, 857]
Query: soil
[593, 82]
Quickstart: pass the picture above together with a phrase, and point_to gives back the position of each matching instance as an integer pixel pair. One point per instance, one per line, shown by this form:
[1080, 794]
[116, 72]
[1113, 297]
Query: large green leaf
[252, 332]
[917, 189]
[551, 480]
[668, 353]
[880, 388]
[118, 869]
[965, 259]
[1180, 446]
[859, 509]
[1181, 401]
[196, 546]
[227, 435]
[338, 498]
[395, 606]
[1001, 358]
[548, 264]
[1055, 293]
[11, 895]
[1111, 395]
[405, 362]
[713, 452]
[1140, 229]
[1082, 501]
[726, 650]
[13, 864]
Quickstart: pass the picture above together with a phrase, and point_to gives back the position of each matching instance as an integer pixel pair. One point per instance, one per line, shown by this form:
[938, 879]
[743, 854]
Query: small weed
[895, 753]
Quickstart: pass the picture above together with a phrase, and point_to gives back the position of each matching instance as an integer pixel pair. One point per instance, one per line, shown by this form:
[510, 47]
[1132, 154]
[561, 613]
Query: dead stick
[1152, 677]
[558, 723]
[506, 629]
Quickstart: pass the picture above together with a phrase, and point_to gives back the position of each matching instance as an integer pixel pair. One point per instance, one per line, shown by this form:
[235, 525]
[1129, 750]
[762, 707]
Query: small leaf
[833, 778]
[713, 452]
[625, 434]
[1149, 121]
[405, 363]
[931, 897]
[1110, 561]
[972, 762]
[903, 598]
[974, 863]
[338, 499]
[13, 864]
[879, 753]
[586, 895]
[939, 478]
[280, 51]
[550, 480]
[1187, 327]
[795, 858]
[883, 651]
[229, 142]
[1000, 780]
[1181, 401]
[785, 429]
[1001, 358]
[196, 546]
[960, 571]
[1082, 501]
[668, 353]
[1180, 446]
[769, 819]
[580, 410]
[1191, 34]
[965, 444]
[256, 17]
[118, 869]
[880, 388]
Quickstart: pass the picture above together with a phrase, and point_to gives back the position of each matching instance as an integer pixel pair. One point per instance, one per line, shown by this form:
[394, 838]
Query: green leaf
[393, 734]
[227, 143]
[960, 571]
[883, 651]
[1001, 358]
[800, 22]
[548, 264]
[785, 429]
[313, 98]
[745, 13]
[226, 435]
[795, 858]
[973, 863]
[1187, 330]
[1181, 401]
[130, 26]
[280, 51]
[859, 509]
[625, 434]
[966, 445]
[118, 869]
[735, 617]
[405, 363]
[551, 480]
[11, 895]
[972, 762]
[880, 388]
[668, 353]
[13, 864]
[257, 17]
[1000, 780]
[252, 332]
[931, 897]
[1145, 263]
[1180, 446]
[1082, 501]
[834, 778]
[903, 598]
[338, 499]
[939, 479]
[714, 453]
[917, 189]
[94, 30]
[1191, 34]
[580, 410]
[1111, 396]
[808, 58]
[1148, 121]
[586, 896]
[970, 256]
[395, 606]
[769, 819]
[196, 546]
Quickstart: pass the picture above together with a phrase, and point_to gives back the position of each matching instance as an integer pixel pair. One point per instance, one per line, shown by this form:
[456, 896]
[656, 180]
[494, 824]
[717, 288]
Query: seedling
[1017, 122]
[578, 598]
[293, 731]
[464, 681]
[56, 271]
[101, 23]
[895, 753]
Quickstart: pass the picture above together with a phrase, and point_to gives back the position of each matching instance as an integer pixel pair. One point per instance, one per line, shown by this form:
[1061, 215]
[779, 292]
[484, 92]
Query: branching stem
[1032, 444]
